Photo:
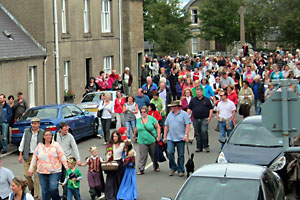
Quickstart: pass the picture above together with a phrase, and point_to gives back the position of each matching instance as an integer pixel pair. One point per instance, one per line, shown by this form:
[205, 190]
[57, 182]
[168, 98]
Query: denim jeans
[130, 125]
[201, 133]
[73, 192]
[257, 104]
[223, 130]
[49, 185]
[106, 128]
[180, 154]
[3, 136]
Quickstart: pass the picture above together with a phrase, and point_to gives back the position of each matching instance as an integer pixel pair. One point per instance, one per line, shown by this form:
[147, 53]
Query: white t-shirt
[225, 109]
[28, 197]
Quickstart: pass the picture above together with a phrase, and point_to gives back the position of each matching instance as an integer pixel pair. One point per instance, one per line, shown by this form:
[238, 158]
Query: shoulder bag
[109, 165]
[99, 113]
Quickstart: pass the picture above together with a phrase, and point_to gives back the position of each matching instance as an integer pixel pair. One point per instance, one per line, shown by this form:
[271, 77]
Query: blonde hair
[20, 182]
[92, 148]
[188, 89]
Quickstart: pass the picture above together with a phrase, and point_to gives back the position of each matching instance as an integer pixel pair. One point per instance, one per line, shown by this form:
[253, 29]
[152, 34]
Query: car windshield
[94, 97]
[42, 113]
[216, 188]
[254, 135]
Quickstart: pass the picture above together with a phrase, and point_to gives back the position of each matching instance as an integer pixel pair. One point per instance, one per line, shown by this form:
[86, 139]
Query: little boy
[73, 176]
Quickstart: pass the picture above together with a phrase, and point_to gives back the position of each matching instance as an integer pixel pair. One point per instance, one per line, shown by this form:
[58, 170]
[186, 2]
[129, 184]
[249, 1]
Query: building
[196, 44]
[21, 61]
[88, 36]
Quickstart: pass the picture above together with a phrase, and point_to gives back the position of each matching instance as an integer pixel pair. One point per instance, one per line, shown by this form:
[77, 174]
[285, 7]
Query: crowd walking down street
[172, 109]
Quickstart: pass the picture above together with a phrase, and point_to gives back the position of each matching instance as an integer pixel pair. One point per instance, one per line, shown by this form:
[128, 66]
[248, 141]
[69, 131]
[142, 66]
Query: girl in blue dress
[128, 189]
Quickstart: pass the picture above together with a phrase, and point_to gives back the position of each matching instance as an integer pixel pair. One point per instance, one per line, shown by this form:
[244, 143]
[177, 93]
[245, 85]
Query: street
[152, 185]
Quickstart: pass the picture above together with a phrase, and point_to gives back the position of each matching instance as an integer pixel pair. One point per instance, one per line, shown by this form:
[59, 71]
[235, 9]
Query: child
[73, 177]
[95, 175]
[123, 131]
[128, 189]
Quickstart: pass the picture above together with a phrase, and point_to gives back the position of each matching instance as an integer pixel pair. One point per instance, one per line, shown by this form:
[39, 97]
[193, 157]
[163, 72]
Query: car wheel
[96, 126]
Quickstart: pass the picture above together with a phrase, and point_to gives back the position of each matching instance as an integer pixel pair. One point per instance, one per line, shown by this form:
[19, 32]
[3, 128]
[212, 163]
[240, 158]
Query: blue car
[81, 124]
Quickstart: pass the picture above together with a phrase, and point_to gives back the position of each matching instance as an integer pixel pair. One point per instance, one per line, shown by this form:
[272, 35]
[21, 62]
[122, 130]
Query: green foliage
[171, 31]
[219, 20]
[288, 21]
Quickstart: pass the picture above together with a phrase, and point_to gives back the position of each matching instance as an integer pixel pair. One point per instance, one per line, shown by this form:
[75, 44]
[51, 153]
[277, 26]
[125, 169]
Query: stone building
[89, 36]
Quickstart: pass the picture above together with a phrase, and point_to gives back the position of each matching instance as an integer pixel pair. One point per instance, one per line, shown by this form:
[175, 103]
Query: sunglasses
[143, 112]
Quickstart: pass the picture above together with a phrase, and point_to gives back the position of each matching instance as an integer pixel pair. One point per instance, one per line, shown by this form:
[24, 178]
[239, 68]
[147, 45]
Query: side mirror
[166, 198]
[86, 112]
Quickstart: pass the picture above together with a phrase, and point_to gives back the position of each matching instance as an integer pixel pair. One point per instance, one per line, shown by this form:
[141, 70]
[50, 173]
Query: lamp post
[153, 27]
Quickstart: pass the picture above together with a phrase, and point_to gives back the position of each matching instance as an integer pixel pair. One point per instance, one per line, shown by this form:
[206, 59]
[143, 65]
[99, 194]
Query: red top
[114, 76]
[118, 107]
[94, 164]
[196, 76]
[233, 97]
[155, 114]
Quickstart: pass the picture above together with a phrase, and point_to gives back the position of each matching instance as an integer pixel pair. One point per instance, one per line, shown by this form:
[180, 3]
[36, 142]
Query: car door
[84, 126]
[68, 117]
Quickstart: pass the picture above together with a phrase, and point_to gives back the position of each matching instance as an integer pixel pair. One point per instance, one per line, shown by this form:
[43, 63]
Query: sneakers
[180, 174]
[198, 150]
[171, 173]
[207, 150]
[3, 151]
[99, 136]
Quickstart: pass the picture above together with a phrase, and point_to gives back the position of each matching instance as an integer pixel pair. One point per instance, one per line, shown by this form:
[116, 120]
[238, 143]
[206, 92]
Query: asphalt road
[152, 185]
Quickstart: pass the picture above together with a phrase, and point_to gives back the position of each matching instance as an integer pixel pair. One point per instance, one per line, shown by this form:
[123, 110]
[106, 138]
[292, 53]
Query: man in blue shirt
[141, 99]
[176, 133]
[5, 117]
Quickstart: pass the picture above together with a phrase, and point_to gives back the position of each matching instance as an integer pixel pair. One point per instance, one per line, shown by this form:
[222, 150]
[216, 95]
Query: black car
[251, 143]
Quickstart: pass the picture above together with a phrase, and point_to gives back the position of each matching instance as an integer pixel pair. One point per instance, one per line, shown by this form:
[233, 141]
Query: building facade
[88, 36]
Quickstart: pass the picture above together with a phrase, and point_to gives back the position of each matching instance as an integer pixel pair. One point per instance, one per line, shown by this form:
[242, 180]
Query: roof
[188, 5]
[15, 41]
[231, 170]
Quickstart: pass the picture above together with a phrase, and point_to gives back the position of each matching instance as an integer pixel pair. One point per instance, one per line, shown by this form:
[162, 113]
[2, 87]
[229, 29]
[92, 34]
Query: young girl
[123, 131]
[73, 176]
[128, 189]
[95, 175]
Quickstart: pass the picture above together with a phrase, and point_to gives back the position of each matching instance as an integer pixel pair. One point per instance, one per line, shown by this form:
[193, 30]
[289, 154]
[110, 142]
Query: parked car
[90, 102]
[231, 182]
[251, 143]
[81, 123]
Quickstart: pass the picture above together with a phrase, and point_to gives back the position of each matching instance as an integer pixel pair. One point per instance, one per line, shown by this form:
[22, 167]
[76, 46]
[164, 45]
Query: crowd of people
[173, 105]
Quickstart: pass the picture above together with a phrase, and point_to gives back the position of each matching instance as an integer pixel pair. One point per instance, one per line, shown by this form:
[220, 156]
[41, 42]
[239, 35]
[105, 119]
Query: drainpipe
[56, 51]
[121, 40]
[45, 81]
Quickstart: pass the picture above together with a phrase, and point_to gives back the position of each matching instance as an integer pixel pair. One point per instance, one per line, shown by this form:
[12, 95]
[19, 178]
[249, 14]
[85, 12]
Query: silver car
[231, 182]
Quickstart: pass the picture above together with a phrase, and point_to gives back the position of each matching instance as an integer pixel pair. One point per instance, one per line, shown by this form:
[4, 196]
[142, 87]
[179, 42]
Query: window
[105, 16]
[64, 16]
[66, 75]
[107, 64]
[194, 45]
[86, 17]
[194, 17]
[31, 84]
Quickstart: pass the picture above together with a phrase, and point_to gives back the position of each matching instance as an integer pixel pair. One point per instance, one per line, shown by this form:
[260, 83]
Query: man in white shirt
[225, 116]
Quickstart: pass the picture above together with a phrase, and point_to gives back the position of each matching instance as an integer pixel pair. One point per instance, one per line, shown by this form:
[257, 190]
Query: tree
[166, 24]
[220, 20]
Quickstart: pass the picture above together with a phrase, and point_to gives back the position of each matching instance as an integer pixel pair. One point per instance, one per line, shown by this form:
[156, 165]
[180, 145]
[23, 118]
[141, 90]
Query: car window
[254, 134]
[214, 188]
[42, 113]
[75, 110]
[94, 97]
[66, 113]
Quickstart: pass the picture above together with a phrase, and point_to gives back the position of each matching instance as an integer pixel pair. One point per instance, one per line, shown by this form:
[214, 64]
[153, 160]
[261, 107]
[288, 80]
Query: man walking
[225, 116]
[31, 138]
[20, 106]
[176, 133]
[5, 117]
[141, 99]
[67, 142]
[202, 112]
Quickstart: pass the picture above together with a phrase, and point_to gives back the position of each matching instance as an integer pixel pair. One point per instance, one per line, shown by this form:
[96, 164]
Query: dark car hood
[251, 155]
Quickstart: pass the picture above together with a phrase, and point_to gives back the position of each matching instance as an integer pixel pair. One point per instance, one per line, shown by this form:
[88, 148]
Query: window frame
[107, 64]
[194, 17]
[64, 16]
[86, 16]
[66, 75]
[106, 16]
[193, 43]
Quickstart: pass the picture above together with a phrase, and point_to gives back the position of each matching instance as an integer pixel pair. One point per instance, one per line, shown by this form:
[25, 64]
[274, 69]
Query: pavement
[11, 148]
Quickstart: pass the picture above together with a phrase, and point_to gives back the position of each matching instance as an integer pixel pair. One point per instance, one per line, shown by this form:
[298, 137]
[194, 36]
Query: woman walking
[48, 157]
[118, 108]
[148, 131]
[107, 111]
[130, 109]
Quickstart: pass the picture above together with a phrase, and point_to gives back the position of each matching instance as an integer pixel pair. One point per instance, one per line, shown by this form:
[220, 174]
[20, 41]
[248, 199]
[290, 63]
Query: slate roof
[15, 41]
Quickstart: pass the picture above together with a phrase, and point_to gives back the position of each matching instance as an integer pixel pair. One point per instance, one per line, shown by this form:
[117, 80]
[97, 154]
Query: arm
[136, 109]
[33, 161]
[21, 148]
[210, 115]
[157, 131]
[189, 111]
[135, 132]
[61, 156]
[166, 130]
[75, 150]
[186, 134]
[233, 115]
[124, 108]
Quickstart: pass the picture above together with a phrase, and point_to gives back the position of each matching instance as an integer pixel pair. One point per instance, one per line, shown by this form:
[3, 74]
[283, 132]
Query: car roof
[231, 170]
[51, 106]
[257, 119]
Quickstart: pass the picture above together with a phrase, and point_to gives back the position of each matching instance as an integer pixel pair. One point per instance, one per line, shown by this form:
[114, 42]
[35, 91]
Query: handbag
[109, 165]
[158, 147]
[99, 113]
[241, 109]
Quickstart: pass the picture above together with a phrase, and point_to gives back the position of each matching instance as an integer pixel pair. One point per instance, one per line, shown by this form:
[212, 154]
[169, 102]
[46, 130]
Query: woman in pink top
[48, 157]
[188, 84]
